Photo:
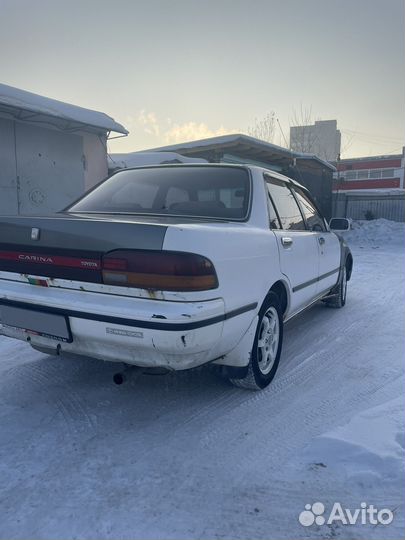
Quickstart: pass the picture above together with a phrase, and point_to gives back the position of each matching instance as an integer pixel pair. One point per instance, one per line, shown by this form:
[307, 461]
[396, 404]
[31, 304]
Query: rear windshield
[211, 192]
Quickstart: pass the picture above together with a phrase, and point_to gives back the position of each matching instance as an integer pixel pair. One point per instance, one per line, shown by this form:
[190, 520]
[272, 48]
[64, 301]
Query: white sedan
[172, 267]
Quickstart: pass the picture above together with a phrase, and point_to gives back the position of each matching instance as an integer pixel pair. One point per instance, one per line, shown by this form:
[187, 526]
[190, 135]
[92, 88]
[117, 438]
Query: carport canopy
[26, 106]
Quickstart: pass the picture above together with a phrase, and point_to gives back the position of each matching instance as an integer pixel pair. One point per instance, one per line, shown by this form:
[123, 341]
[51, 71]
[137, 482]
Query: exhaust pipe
[125, 374]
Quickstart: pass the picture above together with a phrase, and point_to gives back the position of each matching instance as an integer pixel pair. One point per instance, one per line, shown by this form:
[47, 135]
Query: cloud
[168, 131]
[190, 131]
[149, 122]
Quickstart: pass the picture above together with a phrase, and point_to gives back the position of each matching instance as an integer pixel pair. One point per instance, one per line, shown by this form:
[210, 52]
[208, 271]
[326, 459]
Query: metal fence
[369, 206]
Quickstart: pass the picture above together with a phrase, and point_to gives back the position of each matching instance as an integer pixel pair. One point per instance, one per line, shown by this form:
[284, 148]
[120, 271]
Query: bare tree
[315, 138]
[264, 128]
[303, 139]
[302, 117]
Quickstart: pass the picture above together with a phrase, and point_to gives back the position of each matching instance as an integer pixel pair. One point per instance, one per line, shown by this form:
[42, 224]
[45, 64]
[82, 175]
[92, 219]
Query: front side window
[315, 221]
[212, 192]
[286, 205]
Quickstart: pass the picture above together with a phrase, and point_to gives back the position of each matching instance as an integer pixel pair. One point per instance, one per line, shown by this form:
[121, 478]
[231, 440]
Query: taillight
[159, 270]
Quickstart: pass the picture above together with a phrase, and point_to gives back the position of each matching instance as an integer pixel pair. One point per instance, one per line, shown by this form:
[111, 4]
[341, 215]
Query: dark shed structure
[308, 169]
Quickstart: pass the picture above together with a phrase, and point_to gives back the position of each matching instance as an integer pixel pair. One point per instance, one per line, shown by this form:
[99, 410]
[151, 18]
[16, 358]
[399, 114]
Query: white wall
[8, 176]
[322, 138]
[50, 169]
[95, 153]
[44, 169]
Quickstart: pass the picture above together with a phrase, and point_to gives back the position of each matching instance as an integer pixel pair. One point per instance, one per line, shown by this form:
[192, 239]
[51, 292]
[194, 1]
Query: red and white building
[370, 186]
[370, 173]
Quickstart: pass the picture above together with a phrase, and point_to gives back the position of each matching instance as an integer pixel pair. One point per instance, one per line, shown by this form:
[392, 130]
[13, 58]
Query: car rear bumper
[143, 332]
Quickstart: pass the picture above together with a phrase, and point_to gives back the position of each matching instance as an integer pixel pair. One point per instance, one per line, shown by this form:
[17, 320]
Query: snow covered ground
[188, 456]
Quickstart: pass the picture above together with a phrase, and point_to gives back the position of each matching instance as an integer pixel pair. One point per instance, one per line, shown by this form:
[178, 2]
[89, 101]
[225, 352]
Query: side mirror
[339, 224]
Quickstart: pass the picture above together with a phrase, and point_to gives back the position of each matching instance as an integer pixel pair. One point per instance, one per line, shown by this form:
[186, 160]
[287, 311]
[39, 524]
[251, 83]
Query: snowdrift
[376, 233]
[369, 448]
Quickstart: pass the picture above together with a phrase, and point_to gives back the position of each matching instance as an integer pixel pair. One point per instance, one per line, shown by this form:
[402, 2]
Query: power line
[363, 134]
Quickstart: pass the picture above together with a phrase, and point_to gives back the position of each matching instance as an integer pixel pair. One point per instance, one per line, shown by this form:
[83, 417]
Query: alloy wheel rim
[269, 336]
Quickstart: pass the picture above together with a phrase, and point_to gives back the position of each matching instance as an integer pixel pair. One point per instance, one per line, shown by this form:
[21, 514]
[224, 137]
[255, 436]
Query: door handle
[321, 240]
[286, 241]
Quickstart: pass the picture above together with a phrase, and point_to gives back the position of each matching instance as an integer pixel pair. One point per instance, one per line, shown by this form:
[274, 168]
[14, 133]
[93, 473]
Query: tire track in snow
[50, 382]
[306, 370]
[232, 398]
[302, 425]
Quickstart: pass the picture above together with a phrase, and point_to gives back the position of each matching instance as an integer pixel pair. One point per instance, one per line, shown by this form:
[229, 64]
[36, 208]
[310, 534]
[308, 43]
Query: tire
[266, 351]
[340, 292]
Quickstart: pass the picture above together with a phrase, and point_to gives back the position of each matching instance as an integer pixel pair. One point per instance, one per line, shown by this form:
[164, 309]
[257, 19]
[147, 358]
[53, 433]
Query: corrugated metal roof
[24, 105]
[250, 145]
[371, 158]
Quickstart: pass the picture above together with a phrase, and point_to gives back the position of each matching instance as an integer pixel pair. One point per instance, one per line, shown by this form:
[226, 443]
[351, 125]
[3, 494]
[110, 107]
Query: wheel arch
[280, 288]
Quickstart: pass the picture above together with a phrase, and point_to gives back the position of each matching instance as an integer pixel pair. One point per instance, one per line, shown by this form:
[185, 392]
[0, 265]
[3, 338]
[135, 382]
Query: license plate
[37, 322]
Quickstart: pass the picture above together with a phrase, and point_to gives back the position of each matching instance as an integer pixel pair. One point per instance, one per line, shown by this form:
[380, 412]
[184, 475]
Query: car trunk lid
[71, 246]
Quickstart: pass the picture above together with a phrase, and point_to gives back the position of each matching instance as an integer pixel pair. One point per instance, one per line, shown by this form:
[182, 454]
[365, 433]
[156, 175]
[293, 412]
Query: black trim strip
[172, 327]
[312, 281]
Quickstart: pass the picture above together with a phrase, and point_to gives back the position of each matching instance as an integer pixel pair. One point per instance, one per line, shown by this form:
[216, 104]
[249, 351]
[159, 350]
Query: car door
[297, 246]
[328, 242]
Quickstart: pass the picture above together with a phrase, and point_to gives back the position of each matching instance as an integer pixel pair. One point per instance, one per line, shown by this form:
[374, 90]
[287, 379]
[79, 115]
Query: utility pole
[282, 132]
[338, 183]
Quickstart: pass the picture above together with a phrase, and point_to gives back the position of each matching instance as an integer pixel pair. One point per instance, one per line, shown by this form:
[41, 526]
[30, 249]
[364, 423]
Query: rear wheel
[265, 355]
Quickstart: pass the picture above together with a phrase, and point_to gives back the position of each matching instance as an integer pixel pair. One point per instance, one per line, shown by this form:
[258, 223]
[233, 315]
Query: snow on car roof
[14, 100]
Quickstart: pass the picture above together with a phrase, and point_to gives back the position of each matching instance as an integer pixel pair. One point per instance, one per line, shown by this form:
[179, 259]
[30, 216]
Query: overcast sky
[176, 70]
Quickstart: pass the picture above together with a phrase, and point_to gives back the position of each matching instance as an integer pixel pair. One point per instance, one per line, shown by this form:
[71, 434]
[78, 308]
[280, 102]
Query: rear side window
[212, 192]
[286, 205]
